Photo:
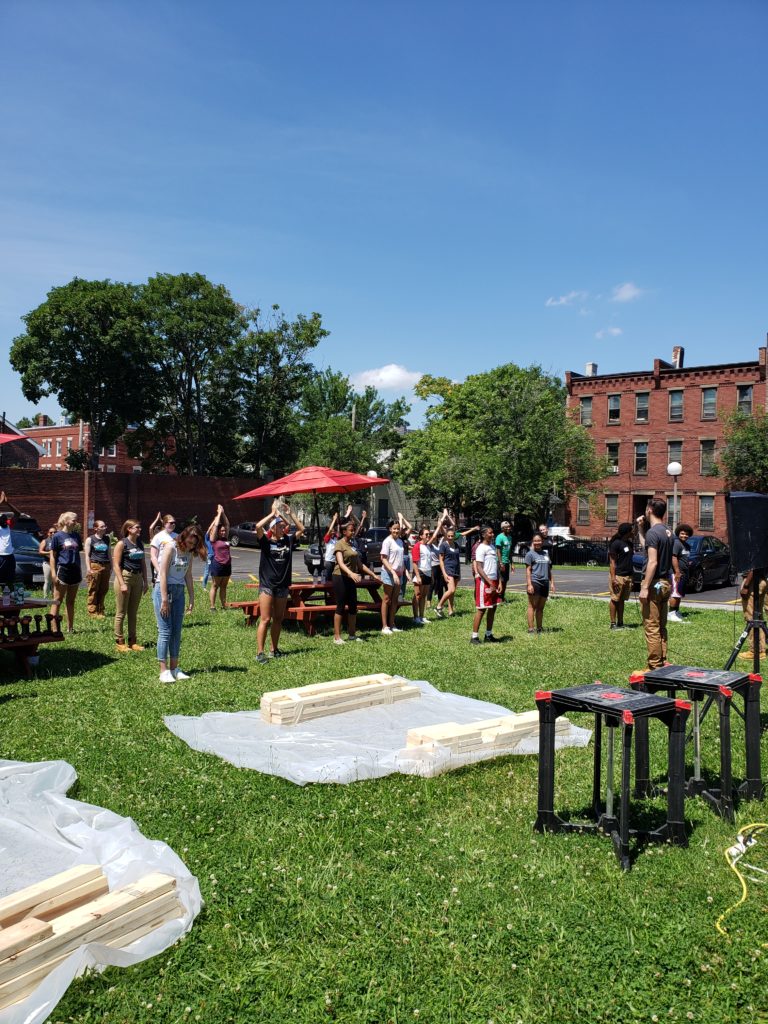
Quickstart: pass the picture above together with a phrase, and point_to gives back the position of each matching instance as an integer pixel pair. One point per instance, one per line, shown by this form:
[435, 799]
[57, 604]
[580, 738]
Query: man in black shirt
[274, 574]
[654, 590]
[620, 572]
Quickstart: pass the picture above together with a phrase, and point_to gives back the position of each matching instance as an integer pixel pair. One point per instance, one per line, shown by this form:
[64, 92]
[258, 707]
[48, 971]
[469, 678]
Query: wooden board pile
[303, 703]
[43, 924]
[485, 736]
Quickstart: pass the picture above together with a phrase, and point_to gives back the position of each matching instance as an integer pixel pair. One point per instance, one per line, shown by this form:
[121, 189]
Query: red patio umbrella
[316, 480]
[5, 438]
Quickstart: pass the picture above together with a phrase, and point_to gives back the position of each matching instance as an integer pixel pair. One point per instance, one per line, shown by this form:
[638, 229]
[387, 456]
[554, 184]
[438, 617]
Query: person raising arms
[275, 568]
[221, 563]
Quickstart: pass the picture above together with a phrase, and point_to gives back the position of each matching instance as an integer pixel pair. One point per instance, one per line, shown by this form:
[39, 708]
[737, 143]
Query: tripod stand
[756, 625]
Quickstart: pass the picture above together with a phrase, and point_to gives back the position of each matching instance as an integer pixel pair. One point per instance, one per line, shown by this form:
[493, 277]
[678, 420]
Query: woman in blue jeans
[168, 598]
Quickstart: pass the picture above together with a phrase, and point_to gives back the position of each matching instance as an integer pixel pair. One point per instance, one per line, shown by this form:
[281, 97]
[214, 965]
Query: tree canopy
[744, 456]
[85, 344]
[502, 440]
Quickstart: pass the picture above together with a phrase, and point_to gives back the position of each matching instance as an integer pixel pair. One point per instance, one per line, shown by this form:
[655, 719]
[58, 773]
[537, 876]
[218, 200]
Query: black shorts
[504, 572]
[219, 569]
[69, 575]
[540, 589]
[345, 592]
[7, 570]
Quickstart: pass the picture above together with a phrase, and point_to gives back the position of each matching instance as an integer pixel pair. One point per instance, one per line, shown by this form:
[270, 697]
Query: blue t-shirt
[66, 548]
[451, 558]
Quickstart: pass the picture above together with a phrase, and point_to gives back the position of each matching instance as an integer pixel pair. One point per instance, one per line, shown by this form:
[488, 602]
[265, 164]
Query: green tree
[194, 326]
[85, 344]
[78, 459]
[502, 440]
[744, 456]
[272, 371]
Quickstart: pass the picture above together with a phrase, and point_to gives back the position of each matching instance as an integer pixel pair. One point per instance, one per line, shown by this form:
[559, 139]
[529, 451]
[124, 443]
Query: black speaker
[747, 529]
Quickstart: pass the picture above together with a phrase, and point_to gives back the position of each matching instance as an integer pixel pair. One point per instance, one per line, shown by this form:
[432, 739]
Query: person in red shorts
[486, 569]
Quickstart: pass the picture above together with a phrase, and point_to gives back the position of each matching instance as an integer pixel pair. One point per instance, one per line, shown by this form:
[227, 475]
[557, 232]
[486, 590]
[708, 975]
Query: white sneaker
[425, 622]
[386, 631]
[396, 630]
[675, 617]
[167, 676]
[356, 640]
[178, 674]
[338, 641]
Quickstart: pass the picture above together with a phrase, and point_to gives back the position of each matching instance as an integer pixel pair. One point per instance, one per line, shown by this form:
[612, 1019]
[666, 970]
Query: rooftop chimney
[42, 419]
[591, 370]
[678, 355]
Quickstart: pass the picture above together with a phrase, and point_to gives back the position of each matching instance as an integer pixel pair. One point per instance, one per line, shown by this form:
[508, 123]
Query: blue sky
[451, 185]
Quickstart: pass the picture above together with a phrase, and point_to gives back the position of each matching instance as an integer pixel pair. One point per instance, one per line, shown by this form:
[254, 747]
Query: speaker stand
[755, 626]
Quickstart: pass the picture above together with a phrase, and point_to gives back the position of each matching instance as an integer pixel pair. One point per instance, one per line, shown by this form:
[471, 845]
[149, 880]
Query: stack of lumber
[302, 703]
[487, 735]
[43, 924]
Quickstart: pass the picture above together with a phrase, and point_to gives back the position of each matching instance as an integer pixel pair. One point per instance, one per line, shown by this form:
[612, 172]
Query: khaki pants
[747, 605]
[127, 605]
[98, 585]
[655, 623]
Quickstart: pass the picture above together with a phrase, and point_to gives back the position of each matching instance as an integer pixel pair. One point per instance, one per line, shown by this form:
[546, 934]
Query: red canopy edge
[318, 480]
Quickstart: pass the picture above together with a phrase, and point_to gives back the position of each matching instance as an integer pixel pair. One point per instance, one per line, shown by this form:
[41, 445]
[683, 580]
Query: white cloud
[626, 292]
[567, 300]
[609, 332]
[391, 377]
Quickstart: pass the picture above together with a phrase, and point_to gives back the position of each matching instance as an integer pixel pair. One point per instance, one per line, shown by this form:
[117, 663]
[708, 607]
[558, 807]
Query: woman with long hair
[221, 563]
[130, 583]
[174, 574]
[538, 570]
[66, 574]
[158, 538]
[392, 569]
[450, 566]
[275, 568]
[348, 573]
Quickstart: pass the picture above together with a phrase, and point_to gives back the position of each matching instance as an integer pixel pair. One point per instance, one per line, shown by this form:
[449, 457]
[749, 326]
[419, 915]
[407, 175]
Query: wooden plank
[14, 906]
[25, 933]
[69, 929]
[65, 901]
[118, 934]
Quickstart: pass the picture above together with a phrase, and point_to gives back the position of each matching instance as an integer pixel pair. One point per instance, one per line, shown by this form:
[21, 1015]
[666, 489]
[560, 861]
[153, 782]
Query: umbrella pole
[317, 517]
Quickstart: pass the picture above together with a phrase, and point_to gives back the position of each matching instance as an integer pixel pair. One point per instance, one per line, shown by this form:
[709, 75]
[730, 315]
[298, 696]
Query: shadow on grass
[5, 697]
[71, 662]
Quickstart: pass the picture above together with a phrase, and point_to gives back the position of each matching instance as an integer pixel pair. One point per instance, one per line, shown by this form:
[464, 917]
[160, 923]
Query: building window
[111, 469]
[675, 451]
[58, 446]
[582, 511]
[612, 454]
[611, 508]
[69, 443]
[709, 403]
[112, 451]
[58, 465]
[137, 469]
[706, 511]
[641, 406]
[614, 408]
[641, 456]
[585, 412]
[707, 450]
[673, 510]
[675, 406]
[744, 399]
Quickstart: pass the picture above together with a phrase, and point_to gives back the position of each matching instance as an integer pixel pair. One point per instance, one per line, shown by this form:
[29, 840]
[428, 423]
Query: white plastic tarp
[43, 832]
[365, 744]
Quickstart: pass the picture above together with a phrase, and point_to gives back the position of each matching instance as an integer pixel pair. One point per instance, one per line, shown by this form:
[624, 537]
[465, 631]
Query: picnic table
[310, 601]
[22, 634]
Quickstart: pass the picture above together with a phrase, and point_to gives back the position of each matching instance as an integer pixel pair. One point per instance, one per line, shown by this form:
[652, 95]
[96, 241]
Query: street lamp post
[674, 469]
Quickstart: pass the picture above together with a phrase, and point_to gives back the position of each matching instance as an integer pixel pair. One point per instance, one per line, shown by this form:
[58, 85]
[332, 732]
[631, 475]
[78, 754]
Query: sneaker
[531, 632]
[386, 631]
[123, 648]
[396, 629]
[491, 639]
[262, 659]
[424, 622]
[137, 647]
[167, 676]
[615, 625]
[178, 674]
[673, 617]
[439, 613]
[475, 640]
[339, 641]
[356, 640]
[277, 653]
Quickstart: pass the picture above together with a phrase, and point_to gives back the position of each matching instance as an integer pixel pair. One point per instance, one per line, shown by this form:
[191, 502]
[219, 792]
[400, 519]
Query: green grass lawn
[400, 899]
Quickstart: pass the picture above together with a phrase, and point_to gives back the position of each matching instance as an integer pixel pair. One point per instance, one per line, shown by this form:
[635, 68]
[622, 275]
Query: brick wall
[115, 497]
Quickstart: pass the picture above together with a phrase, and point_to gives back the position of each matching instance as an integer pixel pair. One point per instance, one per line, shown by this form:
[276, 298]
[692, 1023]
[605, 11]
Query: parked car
[372, 540]
[27, 524]
[244, 534]
[313, 559]
[29, 561]
[709, 564]
[572, 551]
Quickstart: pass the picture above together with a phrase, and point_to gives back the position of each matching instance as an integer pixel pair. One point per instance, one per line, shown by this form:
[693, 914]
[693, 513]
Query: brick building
[643, 420]
[56, 439]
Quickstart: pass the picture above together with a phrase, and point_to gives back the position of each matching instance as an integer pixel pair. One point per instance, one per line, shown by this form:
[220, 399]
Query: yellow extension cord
[747, 837]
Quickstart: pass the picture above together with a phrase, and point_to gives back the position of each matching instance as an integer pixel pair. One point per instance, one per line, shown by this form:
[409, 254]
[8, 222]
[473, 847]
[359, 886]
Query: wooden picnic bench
[22, 634]
[308, 602]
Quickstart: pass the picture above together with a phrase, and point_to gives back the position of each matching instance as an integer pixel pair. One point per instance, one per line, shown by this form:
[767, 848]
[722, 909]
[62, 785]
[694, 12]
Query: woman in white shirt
[392, 569]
